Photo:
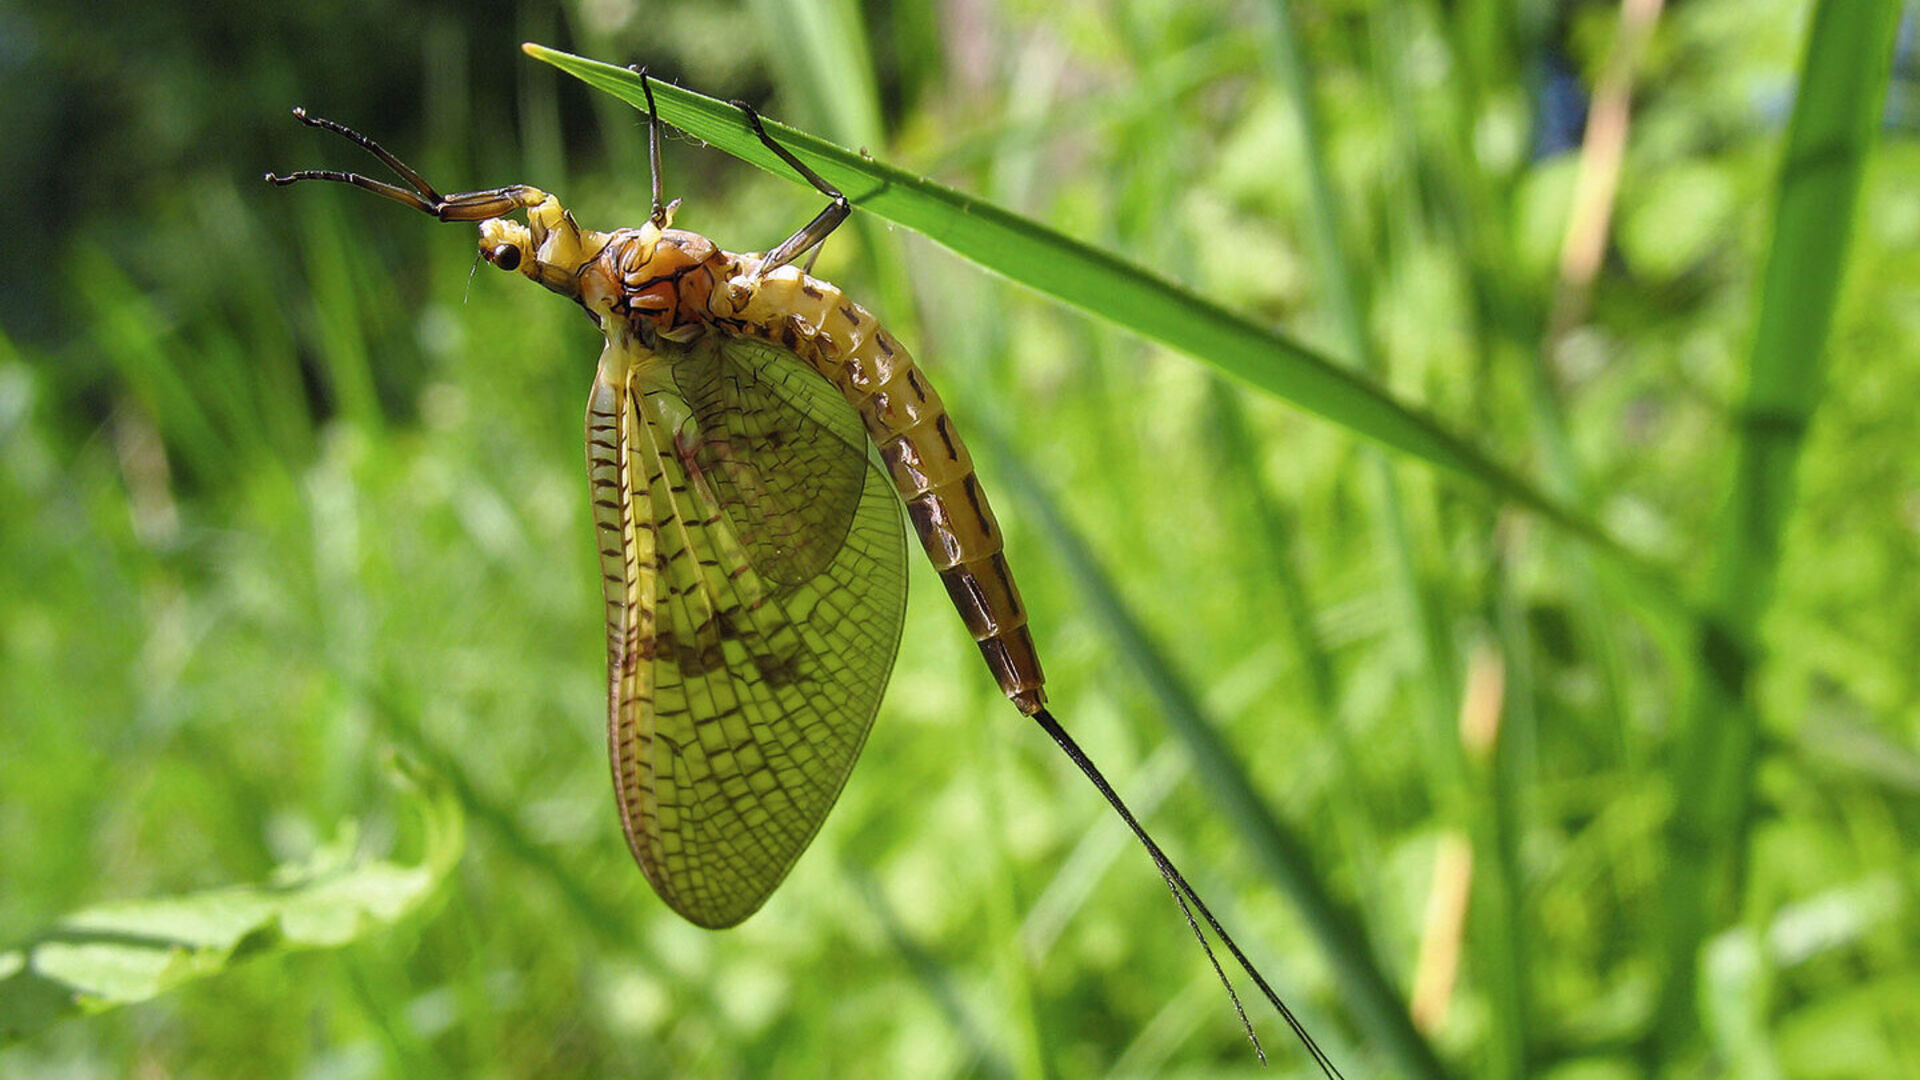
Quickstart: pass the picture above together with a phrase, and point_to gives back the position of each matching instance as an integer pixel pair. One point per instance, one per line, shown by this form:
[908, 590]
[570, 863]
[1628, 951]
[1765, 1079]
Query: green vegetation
[1553, 616]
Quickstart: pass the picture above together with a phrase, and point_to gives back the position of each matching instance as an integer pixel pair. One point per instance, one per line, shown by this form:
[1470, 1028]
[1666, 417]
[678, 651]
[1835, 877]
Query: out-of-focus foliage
[286, 485]
[125, 952]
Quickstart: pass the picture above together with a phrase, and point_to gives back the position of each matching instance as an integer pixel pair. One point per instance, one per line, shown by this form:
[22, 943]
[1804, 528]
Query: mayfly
[752, 556]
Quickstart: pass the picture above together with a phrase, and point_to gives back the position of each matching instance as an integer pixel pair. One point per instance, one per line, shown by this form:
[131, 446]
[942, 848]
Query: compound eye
[506, 257]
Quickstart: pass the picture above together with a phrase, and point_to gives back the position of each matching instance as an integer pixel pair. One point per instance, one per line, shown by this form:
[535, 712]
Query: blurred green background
[296, 574]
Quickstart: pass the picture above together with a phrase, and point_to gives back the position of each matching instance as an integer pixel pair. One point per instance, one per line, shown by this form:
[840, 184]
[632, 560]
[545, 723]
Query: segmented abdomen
[916, 438]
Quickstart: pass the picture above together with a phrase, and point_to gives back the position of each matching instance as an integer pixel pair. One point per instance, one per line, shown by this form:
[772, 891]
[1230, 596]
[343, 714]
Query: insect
[753, 556]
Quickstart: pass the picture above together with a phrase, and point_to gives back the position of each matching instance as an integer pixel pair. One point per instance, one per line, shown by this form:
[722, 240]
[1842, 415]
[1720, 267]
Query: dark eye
[506, 257]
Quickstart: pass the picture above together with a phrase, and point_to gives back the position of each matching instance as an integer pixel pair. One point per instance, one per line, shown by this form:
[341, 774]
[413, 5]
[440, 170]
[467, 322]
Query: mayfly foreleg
[810, 236]
[460, 206]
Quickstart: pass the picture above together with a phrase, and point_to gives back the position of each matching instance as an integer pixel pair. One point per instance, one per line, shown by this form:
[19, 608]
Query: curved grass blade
[1107, 286]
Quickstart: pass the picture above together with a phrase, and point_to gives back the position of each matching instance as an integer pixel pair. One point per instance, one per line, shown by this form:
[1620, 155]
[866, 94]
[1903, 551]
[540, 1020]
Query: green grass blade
[1103, 285]
[1835, 122]
[125, 952]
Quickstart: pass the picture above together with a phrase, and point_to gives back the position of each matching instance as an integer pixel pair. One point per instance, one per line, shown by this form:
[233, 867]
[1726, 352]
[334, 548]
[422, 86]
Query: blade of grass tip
[1364, 986]
[1120, 292]
[1836, 117]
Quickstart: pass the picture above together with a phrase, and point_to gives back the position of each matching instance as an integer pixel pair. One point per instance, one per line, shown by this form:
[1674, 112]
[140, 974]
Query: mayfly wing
[783, 452]
[749, 643]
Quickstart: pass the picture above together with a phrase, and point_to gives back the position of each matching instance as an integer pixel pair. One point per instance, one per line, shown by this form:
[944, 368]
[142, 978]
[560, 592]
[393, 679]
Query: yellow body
[753, 559]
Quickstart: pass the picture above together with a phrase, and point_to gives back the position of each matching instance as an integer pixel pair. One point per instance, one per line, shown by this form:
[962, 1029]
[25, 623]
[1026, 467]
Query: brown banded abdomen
[924, 454]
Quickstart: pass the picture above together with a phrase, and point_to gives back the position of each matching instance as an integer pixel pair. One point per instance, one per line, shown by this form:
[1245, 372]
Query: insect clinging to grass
[752, 554]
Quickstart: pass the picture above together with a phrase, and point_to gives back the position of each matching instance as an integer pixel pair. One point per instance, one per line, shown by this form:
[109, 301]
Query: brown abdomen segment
[929, 464]
[934, 473]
